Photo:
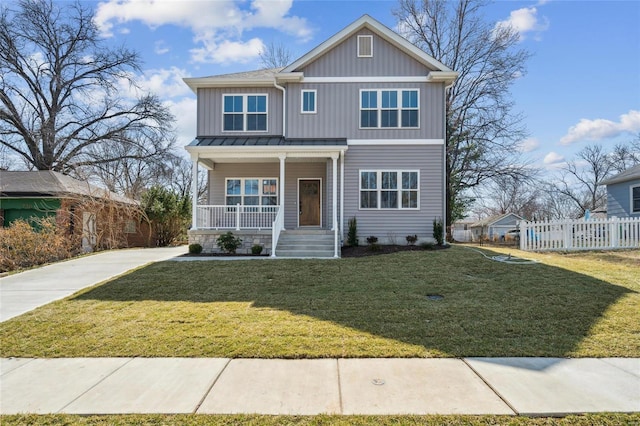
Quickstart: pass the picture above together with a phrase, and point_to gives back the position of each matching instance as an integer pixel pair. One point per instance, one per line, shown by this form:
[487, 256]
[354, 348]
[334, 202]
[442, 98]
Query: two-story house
[354, 128]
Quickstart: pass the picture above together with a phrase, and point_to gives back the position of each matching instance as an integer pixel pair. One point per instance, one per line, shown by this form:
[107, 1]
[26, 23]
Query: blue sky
[582, 85]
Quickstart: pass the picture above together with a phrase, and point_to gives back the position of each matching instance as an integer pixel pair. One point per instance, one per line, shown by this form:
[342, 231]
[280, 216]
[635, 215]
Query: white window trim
[245, 112]
[259, 195]
[379, 189]
[631, 199]
[379, 108]
[315, 101]
[370, 37]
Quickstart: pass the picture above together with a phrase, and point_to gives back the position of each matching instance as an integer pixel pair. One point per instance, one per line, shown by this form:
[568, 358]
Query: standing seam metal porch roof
[214, 141]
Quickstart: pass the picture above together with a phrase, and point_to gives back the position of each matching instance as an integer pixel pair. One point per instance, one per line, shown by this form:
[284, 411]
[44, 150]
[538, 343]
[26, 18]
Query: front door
[309, 202]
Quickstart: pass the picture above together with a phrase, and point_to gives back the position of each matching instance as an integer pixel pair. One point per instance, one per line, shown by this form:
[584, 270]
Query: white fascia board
[265, 151]
[367, 21]
[442, 76]
[289, 77]
[381, 79]
[395, 142]
[199, 83]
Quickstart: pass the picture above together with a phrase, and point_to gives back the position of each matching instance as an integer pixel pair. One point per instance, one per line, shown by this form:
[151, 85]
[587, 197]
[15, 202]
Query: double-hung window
[389, 108]
[635, 199]
[244, 113]
[252, 192]
[389, 189]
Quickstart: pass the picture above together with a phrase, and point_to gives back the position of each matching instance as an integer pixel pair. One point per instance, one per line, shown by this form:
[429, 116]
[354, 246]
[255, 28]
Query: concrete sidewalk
[511, 386]
[25, 291]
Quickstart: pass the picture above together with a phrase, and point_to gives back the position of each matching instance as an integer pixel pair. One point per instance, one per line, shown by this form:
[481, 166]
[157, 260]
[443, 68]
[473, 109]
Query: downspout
[284, 106]
[444, 163]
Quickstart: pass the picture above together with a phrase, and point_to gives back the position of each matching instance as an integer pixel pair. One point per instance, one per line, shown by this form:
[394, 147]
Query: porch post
[282, 158]
[334, 215]
[342, 195]
[194, 192]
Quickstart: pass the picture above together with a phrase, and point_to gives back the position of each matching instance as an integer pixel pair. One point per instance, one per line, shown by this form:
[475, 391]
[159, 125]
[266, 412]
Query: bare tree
[275, 56]
[625, 155]
[61, 91]
[482, 132]
[506, 194]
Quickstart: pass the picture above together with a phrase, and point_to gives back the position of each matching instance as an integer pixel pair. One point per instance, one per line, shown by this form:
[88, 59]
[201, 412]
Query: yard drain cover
[435, 296]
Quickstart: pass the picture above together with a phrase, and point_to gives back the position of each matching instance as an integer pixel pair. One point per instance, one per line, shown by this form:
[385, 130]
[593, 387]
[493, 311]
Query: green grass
[197, 420]
[575, 305]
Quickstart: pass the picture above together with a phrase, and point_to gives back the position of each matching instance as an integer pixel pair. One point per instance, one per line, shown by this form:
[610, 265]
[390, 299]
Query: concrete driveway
[23, 292]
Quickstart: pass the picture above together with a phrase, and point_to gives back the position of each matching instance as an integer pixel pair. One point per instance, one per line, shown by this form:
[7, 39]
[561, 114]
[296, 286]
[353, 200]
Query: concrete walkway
[511, 386]
[23, 292]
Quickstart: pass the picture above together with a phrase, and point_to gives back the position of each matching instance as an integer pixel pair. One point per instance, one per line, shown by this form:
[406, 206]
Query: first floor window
[635, 199]
[244, 113]
[389, 189]
[252, 192]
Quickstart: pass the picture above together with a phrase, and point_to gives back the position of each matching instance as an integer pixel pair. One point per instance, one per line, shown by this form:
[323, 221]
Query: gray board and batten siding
[338, 112]
[210, 110]
[394, 223]
[342, 61]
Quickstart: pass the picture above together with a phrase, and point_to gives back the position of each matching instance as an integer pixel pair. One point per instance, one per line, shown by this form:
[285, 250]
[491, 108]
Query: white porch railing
[580, 234]
[278, 226]
[236, 217]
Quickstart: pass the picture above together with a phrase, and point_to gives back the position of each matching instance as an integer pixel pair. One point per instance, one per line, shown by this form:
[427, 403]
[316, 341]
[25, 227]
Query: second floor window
[244, 113]
[308, 101]
[389, 108]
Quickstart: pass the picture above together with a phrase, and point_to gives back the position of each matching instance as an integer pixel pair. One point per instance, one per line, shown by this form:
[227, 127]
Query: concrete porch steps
[305, 243]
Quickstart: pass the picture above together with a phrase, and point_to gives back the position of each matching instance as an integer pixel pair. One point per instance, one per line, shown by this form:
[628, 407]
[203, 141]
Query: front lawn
[577, 305]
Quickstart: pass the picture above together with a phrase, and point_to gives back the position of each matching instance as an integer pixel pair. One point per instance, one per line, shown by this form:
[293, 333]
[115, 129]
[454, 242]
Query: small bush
[374, 246]
[427, 246]
[411, 239]
[352, 234]
[23, 246]
[372, 240]
[195, 248]
[438, 230]
[256, 250]
[229, 243]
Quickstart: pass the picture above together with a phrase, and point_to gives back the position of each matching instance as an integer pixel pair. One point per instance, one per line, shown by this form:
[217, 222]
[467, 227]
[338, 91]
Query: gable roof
[366, 21]
[629, 174]
[48, 183]
[493, 219]
[268, 77]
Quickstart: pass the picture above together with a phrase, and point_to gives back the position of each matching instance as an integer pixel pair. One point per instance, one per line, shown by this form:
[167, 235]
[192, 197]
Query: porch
[264, 186]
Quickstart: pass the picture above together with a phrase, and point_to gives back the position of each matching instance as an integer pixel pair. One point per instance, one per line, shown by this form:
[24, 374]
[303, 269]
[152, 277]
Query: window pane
[251, 201]
[251, 187]
[256, 122]
[308, 101]
[389, 118]
[369, 99]
[269, 186]
[232, 201]
[389, 199]
[228, 104]
[409, 99]
[389, 180]
[269, 201]
[368, 200]
[410, 118]
[368, 180]
[252, 104]
[389, 99]
[409, 199]
[409, 180]
[233, 187]
[237, 103]
[368, 118]
[233, 104]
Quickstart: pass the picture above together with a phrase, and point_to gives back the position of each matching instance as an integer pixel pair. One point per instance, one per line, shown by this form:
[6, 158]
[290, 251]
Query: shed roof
[629, 174]
[47, 183]
[493, 219]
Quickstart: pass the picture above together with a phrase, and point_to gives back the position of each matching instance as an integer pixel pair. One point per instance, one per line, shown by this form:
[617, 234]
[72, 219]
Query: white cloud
[215, 24]
[228, 51]
[602, 129]
[184, 111]
[160, 47]
[525, 21]
[553, 158]
[165, 83]
[529, 145]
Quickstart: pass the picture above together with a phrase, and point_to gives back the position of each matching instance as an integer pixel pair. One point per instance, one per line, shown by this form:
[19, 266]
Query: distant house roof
[629, 174]
[47, 183]
[264, 141]
[493, 219]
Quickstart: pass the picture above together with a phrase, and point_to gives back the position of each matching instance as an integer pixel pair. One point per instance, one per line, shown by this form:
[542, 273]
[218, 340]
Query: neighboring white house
[623, 193]
[494, 227]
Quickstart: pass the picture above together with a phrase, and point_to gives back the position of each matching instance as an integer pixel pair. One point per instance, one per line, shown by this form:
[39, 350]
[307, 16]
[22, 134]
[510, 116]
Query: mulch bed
[361, 251]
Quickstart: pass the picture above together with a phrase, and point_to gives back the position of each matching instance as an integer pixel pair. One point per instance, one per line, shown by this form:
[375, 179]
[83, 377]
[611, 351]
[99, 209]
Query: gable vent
[365, 46]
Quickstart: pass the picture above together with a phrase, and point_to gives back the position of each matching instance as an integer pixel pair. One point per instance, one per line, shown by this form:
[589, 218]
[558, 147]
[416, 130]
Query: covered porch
[260, 187]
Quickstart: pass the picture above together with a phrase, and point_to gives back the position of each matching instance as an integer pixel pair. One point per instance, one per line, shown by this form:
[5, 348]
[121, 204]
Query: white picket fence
[580, 234]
